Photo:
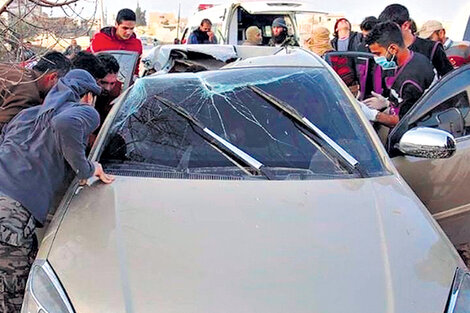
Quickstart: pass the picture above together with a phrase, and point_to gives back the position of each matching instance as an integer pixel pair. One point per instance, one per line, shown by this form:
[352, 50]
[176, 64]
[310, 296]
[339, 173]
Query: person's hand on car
[377, 102]
[99, 172]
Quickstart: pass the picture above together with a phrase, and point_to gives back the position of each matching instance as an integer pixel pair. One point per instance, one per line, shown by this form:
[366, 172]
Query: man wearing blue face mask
[411, 74]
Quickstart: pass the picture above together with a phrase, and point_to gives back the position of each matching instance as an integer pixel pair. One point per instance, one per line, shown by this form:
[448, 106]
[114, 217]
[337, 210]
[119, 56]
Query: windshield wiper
[230, 151]
[328, 146]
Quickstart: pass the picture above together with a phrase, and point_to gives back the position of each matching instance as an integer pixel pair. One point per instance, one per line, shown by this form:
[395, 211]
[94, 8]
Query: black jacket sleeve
[410, 95]
[440, 61]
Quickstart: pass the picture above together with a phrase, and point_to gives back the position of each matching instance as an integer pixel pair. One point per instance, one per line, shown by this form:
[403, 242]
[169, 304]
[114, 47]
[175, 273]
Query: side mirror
[425, 142]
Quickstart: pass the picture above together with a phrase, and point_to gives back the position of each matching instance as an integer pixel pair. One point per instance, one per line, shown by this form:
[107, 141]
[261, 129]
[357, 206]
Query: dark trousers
[18, 248]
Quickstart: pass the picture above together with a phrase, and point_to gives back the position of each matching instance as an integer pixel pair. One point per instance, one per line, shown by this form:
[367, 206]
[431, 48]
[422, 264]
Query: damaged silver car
[259, 187]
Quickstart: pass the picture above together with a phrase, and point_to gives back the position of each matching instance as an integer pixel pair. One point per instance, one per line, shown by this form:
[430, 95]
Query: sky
[420, 10]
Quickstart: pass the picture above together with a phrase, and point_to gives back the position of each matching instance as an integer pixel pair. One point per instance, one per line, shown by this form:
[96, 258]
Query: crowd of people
[50, 113]
[415, 57]
[412, 58]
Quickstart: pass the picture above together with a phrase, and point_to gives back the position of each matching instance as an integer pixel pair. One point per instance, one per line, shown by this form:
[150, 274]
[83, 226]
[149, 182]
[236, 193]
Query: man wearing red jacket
[119, 37]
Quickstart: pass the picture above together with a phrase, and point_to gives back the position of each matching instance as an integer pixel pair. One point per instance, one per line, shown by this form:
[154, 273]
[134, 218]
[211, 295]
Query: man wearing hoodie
[39, 149]
[119, 37]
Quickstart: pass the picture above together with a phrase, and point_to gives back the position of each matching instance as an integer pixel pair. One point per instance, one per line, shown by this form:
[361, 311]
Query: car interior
[262, 21]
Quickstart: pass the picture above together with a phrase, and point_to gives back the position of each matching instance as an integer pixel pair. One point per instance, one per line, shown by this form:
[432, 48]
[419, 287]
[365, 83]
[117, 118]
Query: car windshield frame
[134, 101]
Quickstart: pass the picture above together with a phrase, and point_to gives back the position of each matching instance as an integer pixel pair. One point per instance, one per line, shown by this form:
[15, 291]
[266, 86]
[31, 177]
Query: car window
[452, 84]
[262, 21]
[451, 115]
[358, 71]
[127, 62]
[146, 133]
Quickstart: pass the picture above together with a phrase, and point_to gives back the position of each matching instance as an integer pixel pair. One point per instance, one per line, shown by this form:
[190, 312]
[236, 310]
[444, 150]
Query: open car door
[441, 184]
[358, 71]
[127, 63]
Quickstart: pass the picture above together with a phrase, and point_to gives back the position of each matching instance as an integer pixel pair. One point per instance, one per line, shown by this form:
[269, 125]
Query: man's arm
[71, 128]
[20, 99]
[410, 95]
[192, 39]
[137, 68]
[441, 62]
[387, 119]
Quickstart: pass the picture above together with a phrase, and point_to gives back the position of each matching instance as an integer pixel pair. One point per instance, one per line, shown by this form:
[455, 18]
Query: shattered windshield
[148, 135]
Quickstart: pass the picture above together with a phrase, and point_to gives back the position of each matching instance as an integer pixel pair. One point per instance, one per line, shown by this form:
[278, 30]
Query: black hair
[396, 13]
[413, 27]
[125, 15]
[109, 62]
[87, 61]
[368, 23]
[385, 34]
[53, 62]
[335, 32]
[206, 21]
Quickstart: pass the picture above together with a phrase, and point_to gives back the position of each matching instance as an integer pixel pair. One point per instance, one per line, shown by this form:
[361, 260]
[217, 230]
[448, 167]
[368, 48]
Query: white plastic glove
[377, 102]
[371, 114]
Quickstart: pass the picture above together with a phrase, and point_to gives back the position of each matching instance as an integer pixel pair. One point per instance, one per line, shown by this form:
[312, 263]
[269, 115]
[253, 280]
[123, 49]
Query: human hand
[211, 35]
[377, 102]
[99, 172]
[370, 113]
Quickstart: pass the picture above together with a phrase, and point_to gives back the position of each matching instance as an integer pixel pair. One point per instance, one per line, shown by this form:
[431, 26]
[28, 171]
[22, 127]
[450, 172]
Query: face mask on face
[386, 63]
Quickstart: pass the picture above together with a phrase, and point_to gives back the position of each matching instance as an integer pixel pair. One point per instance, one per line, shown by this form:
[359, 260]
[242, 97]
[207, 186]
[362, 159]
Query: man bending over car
[38, 149]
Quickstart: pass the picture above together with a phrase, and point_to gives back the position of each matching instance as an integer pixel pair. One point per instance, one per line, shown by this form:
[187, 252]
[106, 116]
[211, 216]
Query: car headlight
[44, 293]
[459, 301]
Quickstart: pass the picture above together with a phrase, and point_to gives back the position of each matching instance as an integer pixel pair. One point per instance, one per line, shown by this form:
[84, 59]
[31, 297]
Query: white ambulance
[229, 21]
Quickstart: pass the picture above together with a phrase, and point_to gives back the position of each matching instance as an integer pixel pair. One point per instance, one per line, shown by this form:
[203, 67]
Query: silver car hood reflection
[199, 246]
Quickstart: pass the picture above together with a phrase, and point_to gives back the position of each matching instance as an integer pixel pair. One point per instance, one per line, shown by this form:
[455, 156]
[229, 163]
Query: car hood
[169, 245]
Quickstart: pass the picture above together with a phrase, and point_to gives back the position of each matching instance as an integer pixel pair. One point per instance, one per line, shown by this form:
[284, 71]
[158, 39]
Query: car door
[443, 185]
[127, 62]
[358, 71]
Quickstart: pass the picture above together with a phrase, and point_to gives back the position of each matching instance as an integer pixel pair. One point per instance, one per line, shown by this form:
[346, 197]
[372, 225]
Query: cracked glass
[147, 135]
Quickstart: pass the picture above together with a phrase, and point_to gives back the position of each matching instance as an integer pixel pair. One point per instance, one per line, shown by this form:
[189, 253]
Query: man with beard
[203, 35]
[280, 37]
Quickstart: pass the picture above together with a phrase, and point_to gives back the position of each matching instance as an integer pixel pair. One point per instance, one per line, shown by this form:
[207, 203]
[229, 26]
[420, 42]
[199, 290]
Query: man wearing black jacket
[434, 51]
[203, 34]
[412, 75]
